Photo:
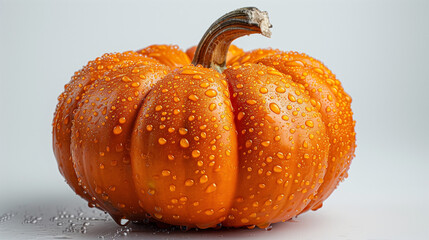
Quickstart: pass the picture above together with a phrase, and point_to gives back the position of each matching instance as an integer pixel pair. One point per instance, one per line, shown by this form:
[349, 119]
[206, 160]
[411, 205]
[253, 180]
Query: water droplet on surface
[211, 93]
[248, 143]
[211, 188]
[251, 102]
[183, 131]
[189, 182]
[275, 108]
[193, 97]
[117, 130]
[162, 141]
[309, 123]
[209, 212]
[165, 173]
[184, 143]
[204, 179]
[126, 79]
[240, 115]
[196, 153]
[212, 106]
[204, 85]
[277, 168]
[280, 89]
[122, 120]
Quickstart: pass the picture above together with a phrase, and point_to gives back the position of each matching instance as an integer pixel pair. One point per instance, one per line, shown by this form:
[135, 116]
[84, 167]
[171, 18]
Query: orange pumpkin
[149, 135]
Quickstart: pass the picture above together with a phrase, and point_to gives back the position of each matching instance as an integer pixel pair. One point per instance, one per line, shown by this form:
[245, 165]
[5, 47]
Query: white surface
[378, 49]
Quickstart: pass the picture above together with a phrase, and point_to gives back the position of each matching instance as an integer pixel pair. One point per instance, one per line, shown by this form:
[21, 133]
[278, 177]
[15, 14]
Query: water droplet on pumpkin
[193, 97]
[280, 89]
[204, 84]
[209, 212]
[204, 179]
[211, 93]
[196, 153]
[126, 79]
[277, 168]
[211, 188]
[263, 90]
[251, 102]
[212, 106]
[184, 143]
[240, 115]
[117, 130]
[248, 143]
[275, 108]
[265, 143]
[189, 182]
[122, 120]
[162, 141]
[165, 173]
[183, 131]
[309, 123]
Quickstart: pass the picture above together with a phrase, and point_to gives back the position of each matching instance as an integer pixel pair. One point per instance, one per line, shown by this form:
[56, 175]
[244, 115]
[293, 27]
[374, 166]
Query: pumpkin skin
[146, 134]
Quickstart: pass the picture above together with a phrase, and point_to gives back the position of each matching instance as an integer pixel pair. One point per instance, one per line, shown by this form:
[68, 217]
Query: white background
[378, 49]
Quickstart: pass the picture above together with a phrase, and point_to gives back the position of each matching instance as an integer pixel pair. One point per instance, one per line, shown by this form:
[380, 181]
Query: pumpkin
[233, 138]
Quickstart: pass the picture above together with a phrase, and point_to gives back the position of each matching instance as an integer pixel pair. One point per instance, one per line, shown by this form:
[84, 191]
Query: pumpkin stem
[213, 47]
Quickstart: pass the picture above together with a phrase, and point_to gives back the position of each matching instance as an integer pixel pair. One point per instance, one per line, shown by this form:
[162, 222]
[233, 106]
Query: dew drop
[211, 93]
[275, 108]
[265, 143]
[280, 89]
[189, 182]
[193, 97]
[122, 120]
[263, 90]
[309, 123]
[117, 130]
[240, 115]
[204, 179]
[277, 168]
[165, 173]
[184, 143]
[183, 131]
[196, 153]
[211, 188]
[209, 212]
[126, 79]
[212, 106]
[204, 85]
[248, 143]
[162, 141]
[251, 102]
